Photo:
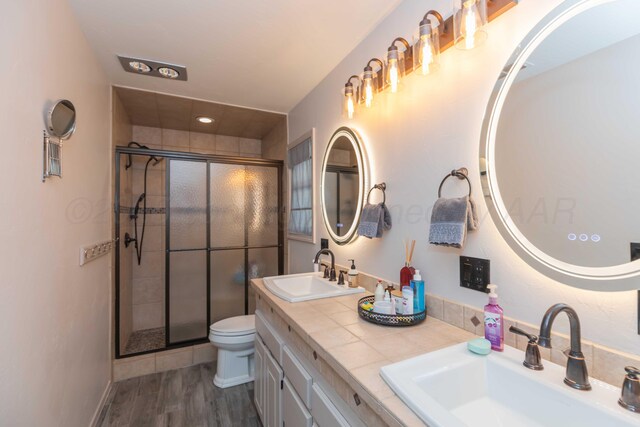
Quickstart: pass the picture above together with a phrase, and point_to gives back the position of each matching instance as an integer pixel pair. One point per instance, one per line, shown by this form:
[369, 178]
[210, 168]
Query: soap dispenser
[493, 321]
[353, 275]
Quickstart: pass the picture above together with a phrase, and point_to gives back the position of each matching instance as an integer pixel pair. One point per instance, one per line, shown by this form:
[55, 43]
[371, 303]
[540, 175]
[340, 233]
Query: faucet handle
[532, 358]
[630, 398]
[632, 372]
[518, 331]
[326, 272]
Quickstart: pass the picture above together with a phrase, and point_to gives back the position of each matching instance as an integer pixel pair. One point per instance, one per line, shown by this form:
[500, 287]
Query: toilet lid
[239, 325]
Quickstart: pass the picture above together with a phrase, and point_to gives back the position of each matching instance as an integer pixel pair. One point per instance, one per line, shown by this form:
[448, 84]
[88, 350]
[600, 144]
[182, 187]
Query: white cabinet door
[273, 406]
[294, 412]
[260, 376]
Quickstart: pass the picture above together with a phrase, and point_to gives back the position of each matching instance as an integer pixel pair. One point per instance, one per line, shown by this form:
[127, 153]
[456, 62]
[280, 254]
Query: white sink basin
[306, 286]
[454, 388]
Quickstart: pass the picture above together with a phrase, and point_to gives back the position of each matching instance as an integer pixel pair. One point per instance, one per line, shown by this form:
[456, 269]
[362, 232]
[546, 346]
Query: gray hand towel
[374, 220]
[450, 221]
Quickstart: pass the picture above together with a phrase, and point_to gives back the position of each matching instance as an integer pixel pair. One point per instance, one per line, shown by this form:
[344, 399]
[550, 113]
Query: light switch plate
[91, 252]
[475, 273]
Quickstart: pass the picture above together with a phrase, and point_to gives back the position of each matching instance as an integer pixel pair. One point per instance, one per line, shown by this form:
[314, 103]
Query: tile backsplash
[604, 363]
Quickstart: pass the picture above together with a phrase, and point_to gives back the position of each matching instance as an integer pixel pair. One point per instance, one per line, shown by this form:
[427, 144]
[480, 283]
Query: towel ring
[458, 173]
[382, 187]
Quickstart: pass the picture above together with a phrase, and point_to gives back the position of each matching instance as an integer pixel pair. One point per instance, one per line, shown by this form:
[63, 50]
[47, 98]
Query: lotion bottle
[379, 294]
[494, 321]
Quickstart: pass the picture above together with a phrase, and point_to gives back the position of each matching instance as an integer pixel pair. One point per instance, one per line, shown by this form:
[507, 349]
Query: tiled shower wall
[148, 278]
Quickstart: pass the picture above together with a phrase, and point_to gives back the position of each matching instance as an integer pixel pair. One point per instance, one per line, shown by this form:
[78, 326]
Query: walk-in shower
[209, 224]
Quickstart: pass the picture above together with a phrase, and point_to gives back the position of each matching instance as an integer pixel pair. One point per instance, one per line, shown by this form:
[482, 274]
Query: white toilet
[234, 338]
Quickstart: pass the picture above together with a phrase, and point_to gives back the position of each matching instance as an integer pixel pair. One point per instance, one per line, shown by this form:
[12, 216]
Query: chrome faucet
[332, 272]
[577, 375]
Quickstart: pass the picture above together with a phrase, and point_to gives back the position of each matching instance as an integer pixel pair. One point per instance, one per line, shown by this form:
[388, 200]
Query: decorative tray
[389, 319]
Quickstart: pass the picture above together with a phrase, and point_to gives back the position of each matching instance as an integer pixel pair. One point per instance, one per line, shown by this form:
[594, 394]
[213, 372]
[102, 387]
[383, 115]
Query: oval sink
[305, 287]
[455, 388]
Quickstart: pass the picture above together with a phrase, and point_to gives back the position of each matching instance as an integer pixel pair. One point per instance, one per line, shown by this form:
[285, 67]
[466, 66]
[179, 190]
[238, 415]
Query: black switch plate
[324, 243]
[475, 273]
[635, 251]
[635, 254]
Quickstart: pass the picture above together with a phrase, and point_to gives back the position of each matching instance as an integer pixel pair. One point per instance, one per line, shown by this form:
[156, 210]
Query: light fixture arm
[377, 61]
[438, 17]
[407, 45]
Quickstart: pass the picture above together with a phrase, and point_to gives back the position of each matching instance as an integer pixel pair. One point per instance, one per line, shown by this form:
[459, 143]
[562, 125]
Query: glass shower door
[244, 233]
[187, 243]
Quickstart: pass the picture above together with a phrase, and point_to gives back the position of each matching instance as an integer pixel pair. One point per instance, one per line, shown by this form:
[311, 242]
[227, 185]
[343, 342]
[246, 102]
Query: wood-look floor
[182, 398]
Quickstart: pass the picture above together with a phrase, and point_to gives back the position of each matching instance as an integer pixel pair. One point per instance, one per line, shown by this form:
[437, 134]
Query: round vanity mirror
[61, 119]
[560, 152]
[343, 185]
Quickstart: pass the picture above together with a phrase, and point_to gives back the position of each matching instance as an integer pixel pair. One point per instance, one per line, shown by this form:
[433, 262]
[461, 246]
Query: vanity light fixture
[398, 63]
[465, 28]
[371, 82]
[139, 67]
[204, 120]
[350, 99]
[426, 53]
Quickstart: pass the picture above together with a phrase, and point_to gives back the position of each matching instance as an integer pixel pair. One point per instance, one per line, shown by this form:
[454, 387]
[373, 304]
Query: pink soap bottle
[493, 321]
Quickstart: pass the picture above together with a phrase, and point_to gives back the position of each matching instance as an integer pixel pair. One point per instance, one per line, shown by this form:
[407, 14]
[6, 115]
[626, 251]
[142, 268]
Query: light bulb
[350, 107]
[368, 91]
[426, 54]
[469, 27]
[394, 75]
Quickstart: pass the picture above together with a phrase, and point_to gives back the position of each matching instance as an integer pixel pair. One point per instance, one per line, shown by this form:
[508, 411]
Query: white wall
[54, 315]
[413, 139]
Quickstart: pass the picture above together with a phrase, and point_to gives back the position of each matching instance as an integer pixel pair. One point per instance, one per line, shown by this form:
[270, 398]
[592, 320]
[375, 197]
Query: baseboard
[103, 399]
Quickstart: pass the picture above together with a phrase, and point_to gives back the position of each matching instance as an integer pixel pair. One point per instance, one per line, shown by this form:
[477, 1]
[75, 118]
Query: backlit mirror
[61, 119]
[560, 151]
[343, 181]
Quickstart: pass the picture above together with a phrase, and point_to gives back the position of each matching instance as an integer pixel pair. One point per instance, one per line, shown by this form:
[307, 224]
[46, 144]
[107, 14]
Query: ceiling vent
[148, 67]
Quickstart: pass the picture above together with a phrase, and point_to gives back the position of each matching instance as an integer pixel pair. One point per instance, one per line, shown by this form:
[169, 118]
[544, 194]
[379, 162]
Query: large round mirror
[343, 185]
[560, 152]
[61, 119]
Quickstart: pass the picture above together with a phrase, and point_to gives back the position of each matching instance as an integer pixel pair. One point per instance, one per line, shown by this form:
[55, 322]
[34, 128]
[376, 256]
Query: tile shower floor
[182, 397]
[145, 340]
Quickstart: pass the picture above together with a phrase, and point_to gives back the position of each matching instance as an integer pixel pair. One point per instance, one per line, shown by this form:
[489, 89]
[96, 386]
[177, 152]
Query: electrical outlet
[475, 273]
[324, 243]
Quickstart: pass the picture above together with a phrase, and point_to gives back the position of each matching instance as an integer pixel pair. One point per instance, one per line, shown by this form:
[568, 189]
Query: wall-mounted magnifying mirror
[343, 185]
[61, 119]
[61, 124]
[561, 145]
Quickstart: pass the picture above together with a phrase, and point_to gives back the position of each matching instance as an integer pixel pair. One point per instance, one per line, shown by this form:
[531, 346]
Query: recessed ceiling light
[169, 72]
[139, 67]
[205, 120]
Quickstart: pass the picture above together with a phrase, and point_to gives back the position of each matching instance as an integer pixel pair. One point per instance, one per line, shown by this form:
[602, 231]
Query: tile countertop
[357, 349]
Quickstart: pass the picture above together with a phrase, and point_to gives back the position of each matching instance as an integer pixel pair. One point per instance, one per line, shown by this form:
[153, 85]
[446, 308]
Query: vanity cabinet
[258, 386]
[273, 388]
[294, 411]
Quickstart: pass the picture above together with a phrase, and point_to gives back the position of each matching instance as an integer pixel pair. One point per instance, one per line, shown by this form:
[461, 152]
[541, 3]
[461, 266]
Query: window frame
[310, 134]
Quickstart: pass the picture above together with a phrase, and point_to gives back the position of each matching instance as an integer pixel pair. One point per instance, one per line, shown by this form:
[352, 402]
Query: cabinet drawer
[270, 337]
[324, 412]
[294, 412]
[297, 375]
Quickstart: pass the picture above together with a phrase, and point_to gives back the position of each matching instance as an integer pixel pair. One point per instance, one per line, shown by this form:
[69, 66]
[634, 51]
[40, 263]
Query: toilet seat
[234, 326]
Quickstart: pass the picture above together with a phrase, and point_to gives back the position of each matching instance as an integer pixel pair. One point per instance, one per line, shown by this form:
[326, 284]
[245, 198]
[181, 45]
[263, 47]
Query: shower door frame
[208, 159]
